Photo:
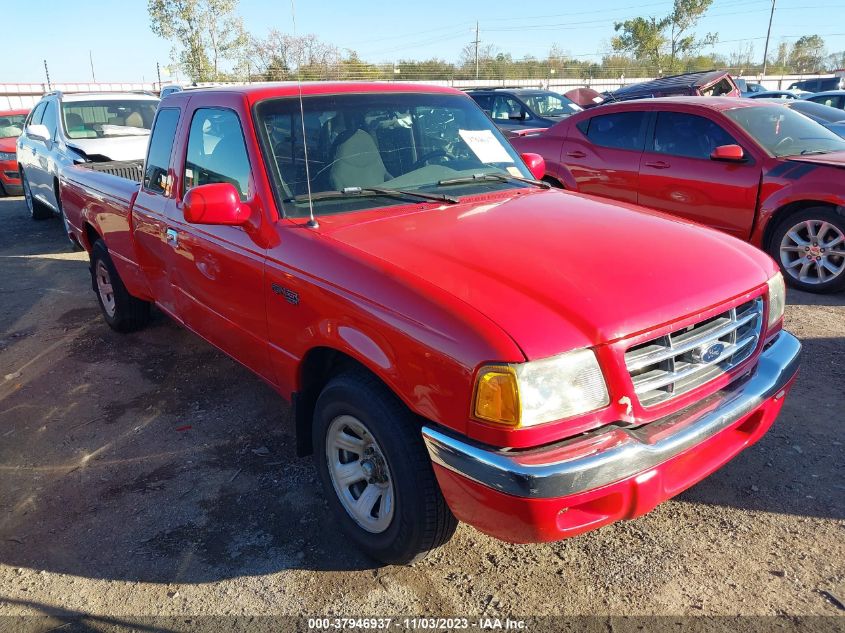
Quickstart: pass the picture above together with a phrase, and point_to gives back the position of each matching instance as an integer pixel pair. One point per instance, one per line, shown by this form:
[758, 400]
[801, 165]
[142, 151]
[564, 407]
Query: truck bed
[132, 170]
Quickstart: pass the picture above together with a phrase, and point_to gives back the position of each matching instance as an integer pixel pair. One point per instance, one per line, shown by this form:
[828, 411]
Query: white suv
[75, 128]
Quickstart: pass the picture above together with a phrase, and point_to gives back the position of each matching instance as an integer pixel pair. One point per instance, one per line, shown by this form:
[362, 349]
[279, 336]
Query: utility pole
[768, 34]
[91, 59]
[47, 71]
[476, 42]
[158, 73]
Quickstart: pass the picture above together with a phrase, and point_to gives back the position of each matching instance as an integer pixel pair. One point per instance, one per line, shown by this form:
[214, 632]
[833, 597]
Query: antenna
[312, 223]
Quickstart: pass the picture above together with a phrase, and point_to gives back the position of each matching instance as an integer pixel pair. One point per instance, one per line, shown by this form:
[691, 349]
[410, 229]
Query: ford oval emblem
[708, 353]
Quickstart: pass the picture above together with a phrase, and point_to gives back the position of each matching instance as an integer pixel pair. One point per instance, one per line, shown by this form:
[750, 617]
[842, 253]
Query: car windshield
[550, 104]
[11, 125]
[783, 132]
[360, 143]
[108, 117]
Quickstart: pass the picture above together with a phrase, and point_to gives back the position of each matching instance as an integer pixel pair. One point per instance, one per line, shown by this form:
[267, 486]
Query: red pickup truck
[459, 341]
[759, 171]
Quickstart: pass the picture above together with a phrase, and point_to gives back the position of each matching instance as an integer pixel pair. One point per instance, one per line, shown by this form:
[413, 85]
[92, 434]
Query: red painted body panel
[9, 177]
[738, 198]
[532, 520]
[421, 294]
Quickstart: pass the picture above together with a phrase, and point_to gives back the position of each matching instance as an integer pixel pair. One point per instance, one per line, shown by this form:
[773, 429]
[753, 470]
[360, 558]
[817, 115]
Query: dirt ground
[149, 474]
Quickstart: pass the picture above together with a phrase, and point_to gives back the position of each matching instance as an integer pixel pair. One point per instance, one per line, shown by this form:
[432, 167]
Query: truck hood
[834, 159]
[114, 147]
[558, 270]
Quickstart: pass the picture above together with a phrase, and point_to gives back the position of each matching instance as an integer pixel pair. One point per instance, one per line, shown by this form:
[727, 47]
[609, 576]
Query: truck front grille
[675, 363]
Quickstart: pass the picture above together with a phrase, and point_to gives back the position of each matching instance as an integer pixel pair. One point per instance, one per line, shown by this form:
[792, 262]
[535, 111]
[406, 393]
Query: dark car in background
[711, 83]
[819, 84]
[832, 118]
[830, 98]
[777, 94]
[515, 109]
[748, 87]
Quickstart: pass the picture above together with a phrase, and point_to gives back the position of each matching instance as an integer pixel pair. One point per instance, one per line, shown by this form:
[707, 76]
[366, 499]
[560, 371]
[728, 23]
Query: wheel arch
[793, 207]
[319, 365]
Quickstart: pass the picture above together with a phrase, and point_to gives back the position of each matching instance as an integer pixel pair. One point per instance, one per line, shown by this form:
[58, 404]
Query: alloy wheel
[813, 252]
[105, 289]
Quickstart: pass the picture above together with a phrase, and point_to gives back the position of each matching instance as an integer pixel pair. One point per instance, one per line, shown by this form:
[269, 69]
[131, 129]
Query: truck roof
[258, 92]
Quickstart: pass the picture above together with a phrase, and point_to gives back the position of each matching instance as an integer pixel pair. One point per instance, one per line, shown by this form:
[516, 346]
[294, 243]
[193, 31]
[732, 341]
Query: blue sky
[124, 49]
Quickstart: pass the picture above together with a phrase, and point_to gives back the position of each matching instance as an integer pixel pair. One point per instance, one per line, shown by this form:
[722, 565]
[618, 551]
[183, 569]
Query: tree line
[210, 43]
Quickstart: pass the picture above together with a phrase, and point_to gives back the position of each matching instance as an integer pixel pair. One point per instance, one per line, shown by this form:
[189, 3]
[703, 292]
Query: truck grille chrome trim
[675, 363]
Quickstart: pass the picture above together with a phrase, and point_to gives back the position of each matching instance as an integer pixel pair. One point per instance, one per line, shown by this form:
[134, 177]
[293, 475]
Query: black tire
[37, 211]
[811, 282]
[3, 193]
[421, 520]
[125, 312]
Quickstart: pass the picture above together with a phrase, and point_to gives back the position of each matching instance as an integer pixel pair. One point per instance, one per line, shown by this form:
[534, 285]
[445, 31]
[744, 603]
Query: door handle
[172, 237]
[658, 164]
[576, 154]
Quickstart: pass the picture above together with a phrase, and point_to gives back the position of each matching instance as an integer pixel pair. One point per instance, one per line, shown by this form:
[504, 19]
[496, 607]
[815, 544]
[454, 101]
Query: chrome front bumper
[612, 453]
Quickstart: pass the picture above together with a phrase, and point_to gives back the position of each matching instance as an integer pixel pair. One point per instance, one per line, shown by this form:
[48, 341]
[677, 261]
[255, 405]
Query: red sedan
[11, 127]
[759, 171]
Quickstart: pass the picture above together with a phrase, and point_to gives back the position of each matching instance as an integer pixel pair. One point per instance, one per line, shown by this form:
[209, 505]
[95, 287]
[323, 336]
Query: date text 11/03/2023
[417, 623]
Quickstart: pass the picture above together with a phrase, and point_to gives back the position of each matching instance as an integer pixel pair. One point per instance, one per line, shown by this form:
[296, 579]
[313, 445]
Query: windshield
[783, 132]
[408, 142]
[11, 125]
[108, 117]
[550, 104]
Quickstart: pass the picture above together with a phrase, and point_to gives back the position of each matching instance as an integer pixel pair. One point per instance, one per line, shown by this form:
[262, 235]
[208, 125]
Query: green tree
[663, 42]
[808, 54]
[203, 33]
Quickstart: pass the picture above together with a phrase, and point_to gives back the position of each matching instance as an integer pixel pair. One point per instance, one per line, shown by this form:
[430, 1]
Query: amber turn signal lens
[497, 396]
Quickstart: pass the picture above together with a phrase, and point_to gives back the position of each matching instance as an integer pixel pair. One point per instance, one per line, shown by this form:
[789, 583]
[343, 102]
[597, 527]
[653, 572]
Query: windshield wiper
[810, 152]
[357, 192]
[492, 176]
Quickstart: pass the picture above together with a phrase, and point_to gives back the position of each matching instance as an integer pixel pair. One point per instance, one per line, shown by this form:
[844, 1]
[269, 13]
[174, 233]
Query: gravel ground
[149, 474]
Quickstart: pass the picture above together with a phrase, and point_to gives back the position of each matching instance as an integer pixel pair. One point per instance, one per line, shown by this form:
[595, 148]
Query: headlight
[7, 156]
[777, 298]
[528, 394]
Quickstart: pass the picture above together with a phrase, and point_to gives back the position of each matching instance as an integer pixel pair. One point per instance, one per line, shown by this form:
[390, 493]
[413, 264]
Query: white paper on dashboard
[486, 146]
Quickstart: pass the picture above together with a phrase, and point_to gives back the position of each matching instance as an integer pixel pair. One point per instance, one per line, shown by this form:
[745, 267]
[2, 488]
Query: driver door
[678, 176]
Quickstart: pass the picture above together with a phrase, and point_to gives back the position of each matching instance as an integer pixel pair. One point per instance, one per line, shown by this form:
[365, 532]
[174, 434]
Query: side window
[621, 130]
[216, 151]
[161, 145]
[506, 107]
[484, 102]
[35, 117]
[721, 87]
[688, 135]
[583, 126]
[50, 119]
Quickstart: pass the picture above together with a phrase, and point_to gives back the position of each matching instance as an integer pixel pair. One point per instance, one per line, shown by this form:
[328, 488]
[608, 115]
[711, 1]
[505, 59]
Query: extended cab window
[688, 135]
[621, 130]
[216, 151]
[161, 145]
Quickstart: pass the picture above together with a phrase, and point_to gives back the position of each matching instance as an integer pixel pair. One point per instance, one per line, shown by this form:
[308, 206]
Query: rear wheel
[809, 245]
[122, 311]
[376, 471]
[37, 211]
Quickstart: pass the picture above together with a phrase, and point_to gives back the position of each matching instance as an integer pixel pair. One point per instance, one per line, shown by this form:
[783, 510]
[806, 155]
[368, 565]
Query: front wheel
[122, 311]
[376, 471]
[37, 211]
[809, 245]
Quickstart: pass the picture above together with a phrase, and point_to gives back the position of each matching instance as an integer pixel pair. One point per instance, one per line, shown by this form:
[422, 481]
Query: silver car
[63, 129]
